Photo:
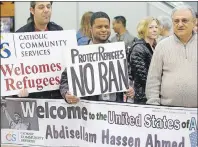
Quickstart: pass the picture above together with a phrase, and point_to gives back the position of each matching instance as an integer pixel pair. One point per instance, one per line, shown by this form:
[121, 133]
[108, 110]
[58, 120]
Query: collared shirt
[126, 37]
[179, 41]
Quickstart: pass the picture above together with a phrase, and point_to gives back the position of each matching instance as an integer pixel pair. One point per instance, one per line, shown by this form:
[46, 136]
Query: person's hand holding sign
[23, 93]
[71, 99]
[130, 92]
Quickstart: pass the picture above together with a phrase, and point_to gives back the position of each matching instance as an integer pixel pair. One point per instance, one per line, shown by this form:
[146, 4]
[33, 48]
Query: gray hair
[186, 7]
[165, 22]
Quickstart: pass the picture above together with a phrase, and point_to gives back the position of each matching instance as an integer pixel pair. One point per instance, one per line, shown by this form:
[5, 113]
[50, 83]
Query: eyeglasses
[184, 21]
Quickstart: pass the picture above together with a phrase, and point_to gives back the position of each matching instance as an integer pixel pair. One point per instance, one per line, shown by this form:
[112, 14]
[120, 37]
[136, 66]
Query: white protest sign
[33, 60]
[97, 69]
[55, 123]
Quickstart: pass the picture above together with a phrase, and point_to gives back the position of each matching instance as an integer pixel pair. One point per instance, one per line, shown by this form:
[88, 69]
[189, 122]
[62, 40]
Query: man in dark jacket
[40, 15]
[100, 30]
[40, 21]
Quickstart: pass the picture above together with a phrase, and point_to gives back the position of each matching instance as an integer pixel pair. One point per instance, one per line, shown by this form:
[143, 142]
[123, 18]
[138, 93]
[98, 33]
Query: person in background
[196, 25]
[40, 16]
[122, 34]
[100, 32]
[16, 122]
[165, 27]
[84, 35]
[172, 77]
[140, 57]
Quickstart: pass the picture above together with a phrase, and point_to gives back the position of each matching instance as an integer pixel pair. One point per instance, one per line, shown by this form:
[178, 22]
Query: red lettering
[19, 84]
[24, 81]
[44, 68]
[22, 69]
[45, 82]
[34, 69]
[26, 70]
[52, 67]
[17, 71]
[6, 69]
[58, 65]
[38, 82]
[57, 79]
[31, 83]
[51, 80]
[9, 84]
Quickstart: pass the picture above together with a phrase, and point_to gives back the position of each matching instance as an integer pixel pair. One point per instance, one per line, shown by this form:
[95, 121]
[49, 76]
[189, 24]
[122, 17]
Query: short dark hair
[121, 19]
[98, 15]
[33, 3]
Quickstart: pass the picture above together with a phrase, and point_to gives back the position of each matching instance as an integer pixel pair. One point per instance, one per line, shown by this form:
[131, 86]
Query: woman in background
[140, 57]
[84, 35]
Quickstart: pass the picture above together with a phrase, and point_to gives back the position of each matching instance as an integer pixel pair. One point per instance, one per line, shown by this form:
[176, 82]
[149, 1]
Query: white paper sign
[97, 69]
[33, 61]
[54, 123]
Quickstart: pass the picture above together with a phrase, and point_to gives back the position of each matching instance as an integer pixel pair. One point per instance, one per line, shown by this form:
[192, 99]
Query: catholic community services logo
[11, 137]
[4, 47]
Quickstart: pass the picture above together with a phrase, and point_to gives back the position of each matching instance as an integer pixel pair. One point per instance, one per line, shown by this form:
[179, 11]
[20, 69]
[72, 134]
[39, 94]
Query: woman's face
[153, 30]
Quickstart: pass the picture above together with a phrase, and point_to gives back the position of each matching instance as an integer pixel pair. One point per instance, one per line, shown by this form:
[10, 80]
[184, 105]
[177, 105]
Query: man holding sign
[40, 21]
[100, 30]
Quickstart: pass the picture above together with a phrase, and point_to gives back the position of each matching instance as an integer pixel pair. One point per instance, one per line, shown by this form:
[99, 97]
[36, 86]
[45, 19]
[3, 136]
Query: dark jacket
[139, 62]
[54, 94]
[30, 27]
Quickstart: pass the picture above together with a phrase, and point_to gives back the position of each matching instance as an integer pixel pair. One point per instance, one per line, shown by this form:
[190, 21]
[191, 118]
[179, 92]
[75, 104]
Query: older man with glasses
[172, 77]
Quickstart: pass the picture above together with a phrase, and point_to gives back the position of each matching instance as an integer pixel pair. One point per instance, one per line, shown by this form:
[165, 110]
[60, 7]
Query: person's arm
[131, 40]
[23, 93]
[139, 71]
[128, 57]
[64, 89]
[7, 115]
[155, 77]
[138, 65]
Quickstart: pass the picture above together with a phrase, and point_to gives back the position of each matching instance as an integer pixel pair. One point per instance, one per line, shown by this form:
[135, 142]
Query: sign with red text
[33, 61]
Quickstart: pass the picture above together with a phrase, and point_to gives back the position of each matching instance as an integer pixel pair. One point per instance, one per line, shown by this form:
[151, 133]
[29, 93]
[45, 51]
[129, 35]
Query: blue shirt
[81, 39]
